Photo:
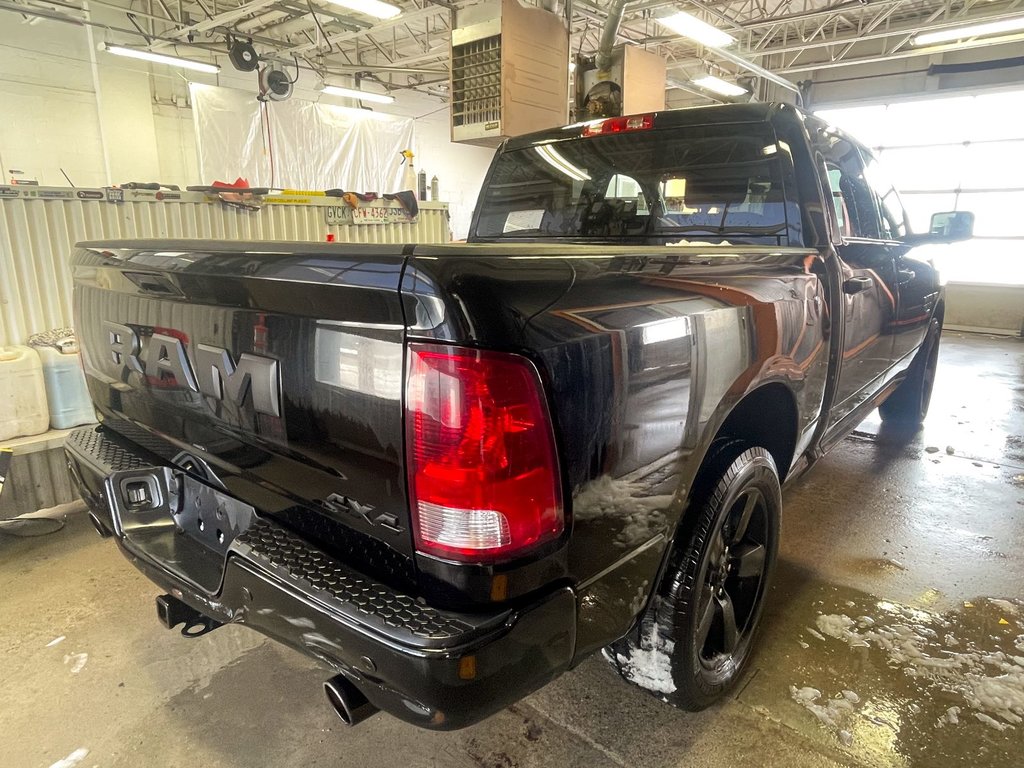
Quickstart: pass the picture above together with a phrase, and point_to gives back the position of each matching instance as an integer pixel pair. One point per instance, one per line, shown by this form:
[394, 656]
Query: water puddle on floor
[896, 684]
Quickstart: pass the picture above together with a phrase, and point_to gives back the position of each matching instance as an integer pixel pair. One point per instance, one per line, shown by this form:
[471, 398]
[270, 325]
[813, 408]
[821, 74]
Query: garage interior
[894, 632]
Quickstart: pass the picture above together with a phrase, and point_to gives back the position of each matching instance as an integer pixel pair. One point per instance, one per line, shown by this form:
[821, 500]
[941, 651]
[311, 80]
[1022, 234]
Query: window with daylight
[962, 153]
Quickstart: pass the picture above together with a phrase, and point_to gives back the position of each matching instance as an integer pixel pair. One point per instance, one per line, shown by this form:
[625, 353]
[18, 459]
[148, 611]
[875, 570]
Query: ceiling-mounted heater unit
[509, 73]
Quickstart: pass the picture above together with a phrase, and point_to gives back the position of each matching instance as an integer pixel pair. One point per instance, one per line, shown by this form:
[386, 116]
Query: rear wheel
[697, 635]
[907, 407]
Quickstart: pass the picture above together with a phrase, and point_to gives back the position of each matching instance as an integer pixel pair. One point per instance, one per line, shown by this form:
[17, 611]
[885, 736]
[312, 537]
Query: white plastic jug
[22, 393]
[66, 390]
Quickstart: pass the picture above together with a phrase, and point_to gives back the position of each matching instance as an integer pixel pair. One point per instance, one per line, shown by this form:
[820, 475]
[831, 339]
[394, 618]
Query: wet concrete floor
[894, 636]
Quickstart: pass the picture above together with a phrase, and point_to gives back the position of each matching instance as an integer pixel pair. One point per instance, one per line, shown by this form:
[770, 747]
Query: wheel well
[766, 417]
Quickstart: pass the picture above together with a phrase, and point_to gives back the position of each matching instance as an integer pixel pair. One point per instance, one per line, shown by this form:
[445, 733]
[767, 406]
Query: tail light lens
[483, 474]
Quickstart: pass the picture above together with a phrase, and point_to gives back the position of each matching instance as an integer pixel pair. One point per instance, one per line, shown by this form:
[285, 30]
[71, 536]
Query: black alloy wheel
[907, 407]
[705, 615]
[733, 580]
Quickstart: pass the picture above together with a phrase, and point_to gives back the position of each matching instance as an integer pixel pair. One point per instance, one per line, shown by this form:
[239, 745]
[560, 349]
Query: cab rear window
[706, 183]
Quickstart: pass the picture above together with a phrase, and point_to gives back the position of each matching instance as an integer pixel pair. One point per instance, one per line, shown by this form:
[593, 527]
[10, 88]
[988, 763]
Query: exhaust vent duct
[630, 81]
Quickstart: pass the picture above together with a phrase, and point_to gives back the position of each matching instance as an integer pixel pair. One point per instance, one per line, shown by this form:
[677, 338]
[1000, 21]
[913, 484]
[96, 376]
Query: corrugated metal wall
[38, 479]
[40, 225]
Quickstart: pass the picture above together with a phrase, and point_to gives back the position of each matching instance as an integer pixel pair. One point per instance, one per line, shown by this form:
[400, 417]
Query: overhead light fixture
[719, 86]
[374, 8]
[970, 30]
[552, 157]
[684, 24]
[160, 58]
[355, 93]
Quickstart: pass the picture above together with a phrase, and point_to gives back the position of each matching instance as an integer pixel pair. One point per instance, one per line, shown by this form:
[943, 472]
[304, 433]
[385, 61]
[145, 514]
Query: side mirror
[951, 227]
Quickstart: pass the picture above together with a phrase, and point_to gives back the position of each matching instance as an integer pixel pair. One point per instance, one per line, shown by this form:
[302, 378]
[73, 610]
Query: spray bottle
[409, 177]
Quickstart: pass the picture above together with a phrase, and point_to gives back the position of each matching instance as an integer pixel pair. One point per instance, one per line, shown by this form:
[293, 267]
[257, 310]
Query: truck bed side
[645, 353]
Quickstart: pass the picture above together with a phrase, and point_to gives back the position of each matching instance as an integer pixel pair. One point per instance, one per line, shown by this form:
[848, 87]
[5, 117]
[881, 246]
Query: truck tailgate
[271, 370]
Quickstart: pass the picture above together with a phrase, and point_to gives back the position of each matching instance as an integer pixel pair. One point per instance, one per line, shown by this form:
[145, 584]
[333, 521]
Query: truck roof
[671, 118]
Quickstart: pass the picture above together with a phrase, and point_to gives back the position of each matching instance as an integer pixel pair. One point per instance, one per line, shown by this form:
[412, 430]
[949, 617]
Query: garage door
[956, 153]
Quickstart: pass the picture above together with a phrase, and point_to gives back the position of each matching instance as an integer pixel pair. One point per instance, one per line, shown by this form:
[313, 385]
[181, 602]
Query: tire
[907, 407]
[689, 652]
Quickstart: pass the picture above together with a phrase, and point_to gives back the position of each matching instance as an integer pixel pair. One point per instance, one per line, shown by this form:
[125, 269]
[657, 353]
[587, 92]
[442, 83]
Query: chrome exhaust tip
[348, 701]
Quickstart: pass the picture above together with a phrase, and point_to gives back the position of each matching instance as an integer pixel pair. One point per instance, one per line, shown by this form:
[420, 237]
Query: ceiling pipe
[264, 19]
[53, 15]
[381, 26]
[901, 31]
[757, 70]
[58, 16]
[288, 17]
[388, 70]
[114, 7]
[223, 19]
[603, 59]
[290, 25]
[908, 54]
[349, 69]
[155, 41]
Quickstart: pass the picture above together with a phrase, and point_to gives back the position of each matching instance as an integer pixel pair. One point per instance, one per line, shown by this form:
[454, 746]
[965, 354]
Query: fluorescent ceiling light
[552, 157]
[373, 8]
[971, 30]
[354, 93]
[720, 86]
[160, 58]
[689, 26]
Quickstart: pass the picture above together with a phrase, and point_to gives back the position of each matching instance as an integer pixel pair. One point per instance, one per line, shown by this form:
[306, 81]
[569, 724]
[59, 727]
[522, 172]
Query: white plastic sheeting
[296, 144]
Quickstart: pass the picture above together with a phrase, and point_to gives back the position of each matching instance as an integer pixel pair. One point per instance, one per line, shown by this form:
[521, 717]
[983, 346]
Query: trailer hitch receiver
[171, 611]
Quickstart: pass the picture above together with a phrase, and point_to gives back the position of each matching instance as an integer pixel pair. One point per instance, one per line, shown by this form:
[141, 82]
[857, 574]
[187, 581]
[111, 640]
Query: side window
[853, 197]
[893, 219]
[673, 195]
[842, 217]
[622, 187]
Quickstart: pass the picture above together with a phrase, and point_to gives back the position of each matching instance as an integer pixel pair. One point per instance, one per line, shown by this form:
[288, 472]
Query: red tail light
[619, 125]
[483, 474]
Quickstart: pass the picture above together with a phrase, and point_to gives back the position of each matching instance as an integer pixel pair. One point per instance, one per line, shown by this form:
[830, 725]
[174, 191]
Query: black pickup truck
[451, 473]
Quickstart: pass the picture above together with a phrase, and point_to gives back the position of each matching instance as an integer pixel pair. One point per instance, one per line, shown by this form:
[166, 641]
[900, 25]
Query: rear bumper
[434, 668]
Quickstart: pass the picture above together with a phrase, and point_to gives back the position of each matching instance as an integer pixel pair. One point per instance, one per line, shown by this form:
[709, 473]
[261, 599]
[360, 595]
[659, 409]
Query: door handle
[906, 275]
[857, 285]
